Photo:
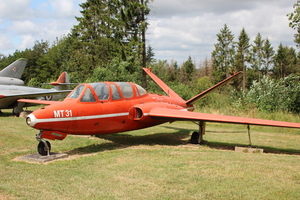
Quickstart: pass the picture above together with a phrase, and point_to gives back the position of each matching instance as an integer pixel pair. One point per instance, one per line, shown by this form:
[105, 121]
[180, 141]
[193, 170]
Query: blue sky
[178, 28]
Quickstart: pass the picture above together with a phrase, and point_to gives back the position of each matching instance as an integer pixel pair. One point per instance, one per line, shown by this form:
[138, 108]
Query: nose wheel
[44, 146]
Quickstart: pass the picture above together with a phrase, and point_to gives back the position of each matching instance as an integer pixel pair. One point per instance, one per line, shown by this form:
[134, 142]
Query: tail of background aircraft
[15, 69]
[62, 83]
[196, 98]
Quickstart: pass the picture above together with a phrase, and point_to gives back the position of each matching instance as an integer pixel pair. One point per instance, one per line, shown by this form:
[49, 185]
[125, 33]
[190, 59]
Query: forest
[109, 44]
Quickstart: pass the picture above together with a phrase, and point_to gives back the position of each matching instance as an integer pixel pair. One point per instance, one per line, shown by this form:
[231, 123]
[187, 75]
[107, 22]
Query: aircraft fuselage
[101, 113]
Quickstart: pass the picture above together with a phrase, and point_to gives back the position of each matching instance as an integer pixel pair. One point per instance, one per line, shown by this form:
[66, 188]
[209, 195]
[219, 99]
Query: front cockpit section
[106, 91]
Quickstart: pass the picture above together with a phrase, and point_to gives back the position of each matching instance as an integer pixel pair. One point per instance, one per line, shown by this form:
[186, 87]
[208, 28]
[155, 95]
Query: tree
[109, 29]
[134, 16]
[33, 69]
[268, 54]
[256, 59]
[285, 61]
[150, 55]
[294, 19]
[189, 69]
[206, 68]
[223, 55]
[243, 54]
[257, 53]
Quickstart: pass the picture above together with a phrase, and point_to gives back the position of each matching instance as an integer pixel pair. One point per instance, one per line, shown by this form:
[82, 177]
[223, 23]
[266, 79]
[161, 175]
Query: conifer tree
[268, 54]
[223, 55]
[108, 30]
[285, 61]
[243, 54]
[256, 60]
[257, 53]
[189, 68]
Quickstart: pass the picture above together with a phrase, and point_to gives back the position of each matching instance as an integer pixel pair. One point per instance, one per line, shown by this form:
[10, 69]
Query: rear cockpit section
[88, 96]
[104, 91]
[126, 89]
[101, 90]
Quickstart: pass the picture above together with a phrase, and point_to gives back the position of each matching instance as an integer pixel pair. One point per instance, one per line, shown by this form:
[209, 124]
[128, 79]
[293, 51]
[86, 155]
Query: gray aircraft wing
[9, 100]
[32, 95]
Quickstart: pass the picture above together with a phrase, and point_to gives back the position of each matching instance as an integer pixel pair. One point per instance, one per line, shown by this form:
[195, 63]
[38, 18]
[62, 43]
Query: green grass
[153, 163]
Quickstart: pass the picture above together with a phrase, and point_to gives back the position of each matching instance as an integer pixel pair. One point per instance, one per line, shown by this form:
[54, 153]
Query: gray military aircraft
[11, 74]
[9, 94]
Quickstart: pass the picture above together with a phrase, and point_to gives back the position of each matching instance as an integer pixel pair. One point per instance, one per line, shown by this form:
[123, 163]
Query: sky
[177, 28]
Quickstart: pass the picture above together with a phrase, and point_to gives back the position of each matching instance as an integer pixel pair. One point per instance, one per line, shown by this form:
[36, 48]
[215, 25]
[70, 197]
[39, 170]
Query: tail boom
[162, 85]
[212, 89]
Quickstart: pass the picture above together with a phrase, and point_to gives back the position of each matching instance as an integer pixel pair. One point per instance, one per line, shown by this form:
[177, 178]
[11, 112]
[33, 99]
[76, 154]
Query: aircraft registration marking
[62, 113]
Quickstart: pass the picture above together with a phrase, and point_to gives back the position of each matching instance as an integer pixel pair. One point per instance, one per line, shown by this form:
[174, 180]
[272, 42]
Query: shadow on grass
[179, 137]
[5, 114]
[123, 140]
[231, 147]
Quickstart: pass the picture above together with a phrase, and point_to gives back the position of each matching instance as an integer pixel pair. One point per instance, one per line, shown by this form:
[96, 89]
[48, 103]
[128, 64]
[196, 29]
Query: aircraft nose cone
[31, 120]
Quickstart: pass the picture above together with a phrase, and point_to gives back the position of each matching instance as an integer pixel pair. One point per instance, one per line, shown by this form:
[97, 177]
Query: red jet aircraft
[113, 107]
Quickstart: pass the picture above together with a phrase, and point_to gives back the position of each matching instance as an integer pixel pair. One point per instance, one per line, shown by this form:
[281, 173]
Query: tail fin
[62, 83]
[213, 88]
[63, 78]
[162, 85]
[15, 69]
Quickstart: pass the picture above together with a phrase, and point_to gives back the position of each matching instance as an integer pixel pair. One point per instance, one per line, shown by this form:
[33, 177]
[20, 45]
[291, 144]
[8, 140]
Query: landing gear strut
[44, 146]
[197, 137]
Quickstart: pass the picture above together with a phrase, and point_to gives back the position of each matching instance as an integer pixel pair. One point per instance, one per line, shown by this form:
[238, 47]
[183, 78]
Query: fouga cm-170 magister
[113, 107]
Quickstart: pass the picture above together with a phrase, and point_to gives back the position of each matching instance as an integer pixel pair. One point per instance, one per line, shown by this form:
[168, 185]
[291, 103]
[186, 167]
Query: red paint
[109, 107]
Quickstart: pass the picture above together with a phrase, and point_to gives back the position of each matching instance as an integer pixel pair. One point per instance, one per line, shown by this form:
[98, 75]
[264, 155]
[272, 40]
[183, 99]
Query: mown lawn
[154, 163]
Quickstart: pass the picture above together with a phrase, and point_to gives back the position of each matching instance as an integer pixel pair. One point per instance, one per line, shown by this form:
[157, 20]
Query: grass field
[154, 163]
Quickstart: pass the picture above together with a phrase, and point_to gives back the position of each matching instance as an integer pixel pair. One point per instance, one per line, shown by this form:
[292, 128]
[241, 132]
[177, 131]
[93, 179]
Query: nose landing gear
[44, 146]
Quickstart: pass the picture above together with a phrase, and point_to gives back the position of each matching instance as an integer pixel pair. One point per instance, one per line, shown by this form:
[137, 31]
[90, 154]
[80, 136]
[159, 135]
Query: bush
[272, 95]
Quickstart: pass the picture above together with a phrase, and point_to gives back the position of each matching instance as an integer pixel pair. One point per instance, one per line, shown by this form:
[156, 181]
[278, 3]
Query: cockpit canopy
[102, 91]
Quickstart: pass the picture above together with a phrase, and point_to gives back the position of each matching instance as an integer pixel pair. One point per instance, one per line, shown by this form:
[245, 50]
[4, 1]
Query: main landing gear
[44, 146]
[197, 137]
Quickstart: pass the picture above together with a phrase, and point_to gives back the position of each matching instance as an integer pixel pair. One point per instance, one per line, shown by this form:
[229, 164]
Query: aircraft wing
[30, 97]
[183, 115]
[33, 95]
[34, 101]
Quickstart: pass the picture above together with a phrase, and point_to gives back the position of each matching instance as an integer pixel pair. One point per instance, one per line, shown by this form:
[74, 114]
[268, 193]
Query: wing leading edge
[33, 95]
[180, 115]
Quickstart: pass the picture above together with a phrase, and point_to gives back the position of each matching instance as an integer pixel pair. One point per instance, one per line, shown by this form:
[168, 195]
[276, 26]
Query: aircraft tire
[195, 137]
[42, 148]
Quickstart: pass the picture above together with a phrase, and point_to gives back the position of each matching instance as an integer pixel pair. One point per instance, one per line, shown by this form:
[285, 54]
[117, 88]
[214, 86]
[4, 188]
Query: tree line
[108, 34]
[108, 44]
[254, 60]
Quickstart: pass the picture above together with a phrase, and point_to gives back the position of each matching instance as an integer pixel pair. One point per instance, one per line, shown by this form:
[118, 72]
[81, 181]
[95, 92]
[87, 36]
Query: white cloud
[189, 28]
[15, 9]
[64, 8]
[5, 43]
[24, 27]
[178, 28]
[25, 21]
[27, 41]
